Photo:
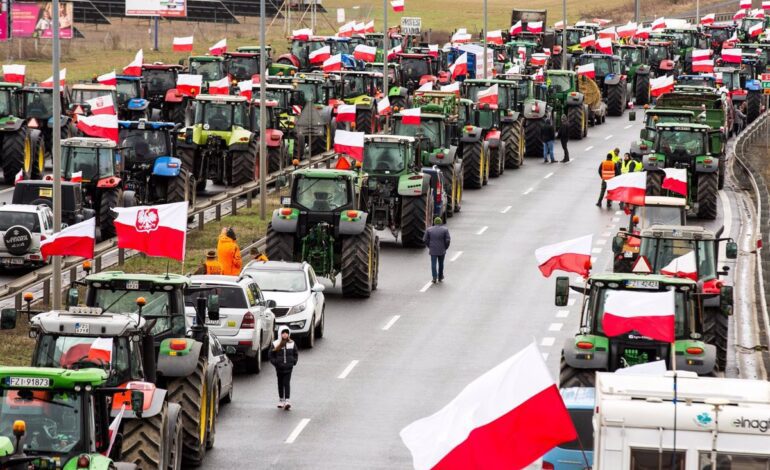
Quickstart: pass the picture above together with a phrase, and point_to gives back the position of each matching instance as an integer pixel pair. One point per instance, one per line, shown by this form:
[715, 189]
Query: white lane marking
[608, 137]
[295, 434]
[482, 230]
[616, 219]
[562, 314]
[728, 215]
[547, 341]
[606, 234]
[528, 191]
[593, 260]
[629, 126]
[457, 255]
[555, 326]
[426, 286]
[545, 356]
[589, 148]
[601, 241]
[348, 369]
[391, 322]
[548, 175]
[505, 210]
[596, 250]
[619, 212]
[571, 302]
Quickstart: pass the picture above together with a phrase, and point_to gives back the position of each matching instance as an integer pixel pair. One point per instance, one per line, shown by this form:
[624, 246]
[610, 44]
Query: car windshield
[210, 70]
[680, 142]
[29, 220]
[413, 69]
[599, 296]
[322, 194]
[81, 96]
[229, 296]
[6, 108]
[650, 215]
[271, 280]
[124, 301]
[54, 419]
[80, 352]
[582, 421]
[128, 89]
[430, 128]
[38, 105]
[384, 157]
[560, 83]
[657, 52]
[147, 143]
[242, 68]
[93, 162]
[662, 251]
[158, 81]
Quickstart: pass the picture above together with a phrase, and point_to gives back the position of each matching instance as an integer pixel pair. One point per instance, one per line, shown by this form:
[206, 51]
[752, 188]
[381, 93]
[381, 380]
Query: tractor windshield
[413, 69]
[210, 70]
[748, 23]
[147, 143]
[689, 144]
[322, 194]
[311, 91]
[599, 295]
[657, 52]
[302, 49]
[55, 419]
[38, 105]
[720, 35]
[6, 103]
[81, 96]
[602, 65]
[653, 119]
[573, 37]
[80, 352]
[158, 81]
[156, 306]
[342, 47]
[94, 162]
[430, 128]
[242, 68]
[684, 39]
[384, 157]
[662, 251]
[561, 83]
[220, 116]
[283, 97]
[128, 89]
[650, 215]
[730, 80]
[355, 85]
[631, 55]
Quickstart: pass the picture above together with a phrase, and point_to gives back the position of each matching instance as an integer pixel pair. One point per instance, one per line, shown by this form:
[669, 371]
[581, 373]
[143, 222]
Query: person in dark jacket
[564, 137]
[284, 356]
[548, 134]
[437, 240]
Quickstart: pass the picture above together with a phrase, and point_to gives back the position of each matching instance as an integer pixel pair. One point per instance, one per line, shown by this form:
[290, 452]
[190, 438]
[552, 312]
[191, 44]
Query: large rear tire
[358, 263]
[176, 188]
[576, 117]
[13, 153]
[753, 106]
[642, 89]
[571, 377]
[274, 157]
[654, 182]
[109, 198]
[715, 332]
[192, 394]
[365, 121]
[280, 246]
[473, 165]
[496, 156]
[616, 102]
[177, 113]
[143, 441]
[707, 195]
[243, 164]
[34, 163]
[415, 219]
[513, 136]
[533, 137]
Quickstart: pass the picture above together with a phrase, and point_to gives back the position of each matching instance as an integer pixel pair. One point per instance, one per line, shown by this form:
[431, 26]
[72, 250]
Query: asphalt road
[408, 350]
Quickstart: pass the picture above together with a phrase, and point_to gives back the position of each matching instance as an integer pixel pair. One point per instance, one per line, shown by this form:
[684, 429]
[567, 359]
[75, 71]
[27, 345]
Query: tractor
[219, 145]
[591, 350]
[416, 70]
[131, 103]
[360, 89]
[653, 117]
[83, 92]
[531, 100]
[660, 56]
[636, 67]
[566, 100]
[300, 50]
[684, 37]
[710, 106]
[716, 34]
[480, 129]
[21, 148]
[36, 107]
[278, 150]
[211, 68]
[398, 194]
[160, 90]
[609, 77]
[323, 223]
[243, 64]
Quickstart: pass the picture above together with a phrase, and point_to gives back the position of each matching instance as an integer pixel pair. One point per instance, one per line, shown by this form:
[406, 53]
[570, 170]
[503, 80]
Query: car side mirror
[73, 297]
[281, 181]
[726, 299]
[213, 307]
[270, 304]
[617, 244]
[137, 402]
[318, 287]
[731, 250]
[562, 291]
[7, 319]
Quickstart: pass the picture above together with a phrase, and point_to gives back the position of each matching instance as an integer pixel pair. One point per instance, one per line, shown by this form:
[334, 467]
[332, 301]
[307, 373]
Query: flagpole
[385, 48]
[564, 35]
[673, 368]
[56, 154]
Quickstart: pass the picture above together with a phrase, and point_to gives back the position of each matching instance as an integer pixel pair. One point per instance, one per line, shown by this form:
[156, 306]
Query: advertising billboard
[33, 20]
[164, 8]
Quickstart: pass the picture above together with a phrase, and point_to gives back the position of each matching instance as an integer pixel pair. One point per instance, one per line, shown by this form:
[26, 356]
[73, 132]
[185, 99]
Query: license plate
[132, 285]
[638, 284]
[45, 192]
[82, 328]
[628, 254]
[28, 382]
[212, 322]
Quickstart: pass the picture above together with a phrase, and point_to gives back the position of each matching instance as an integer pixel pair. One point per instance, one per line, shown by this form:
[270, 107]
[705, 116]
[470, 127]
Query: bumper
[245, 343]
[10, 261]
[299, 325]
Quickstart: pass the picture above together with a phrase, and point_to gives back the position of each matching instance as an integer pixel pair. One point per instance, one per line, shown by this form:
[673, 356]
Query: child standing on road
[284, 356]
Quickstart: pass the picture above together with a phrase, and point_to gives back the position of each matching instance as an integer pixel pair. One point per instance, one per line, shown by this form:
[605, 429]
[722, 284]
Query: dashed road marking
[601, 241]
[606, 234]
[629, 126]
[593, 260]
[482, 230]
[348, 369]
[608, 137]
[616, 219]
[555, 326]
[391, 322]
[571, 302]
[562, 314]
[545, 356]
[295, 434]
[528, 191]
[426, 286]
[548, 175]
[596, 250]
[505, 209]
[547, 341]
[589, 148]
[457, 255]
[619, 212]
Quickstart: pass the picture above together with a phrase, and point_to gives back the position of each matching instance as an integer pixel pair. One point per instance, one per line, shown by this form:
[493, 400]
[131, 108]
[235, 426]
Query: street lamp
[262, 115]
[56, 154]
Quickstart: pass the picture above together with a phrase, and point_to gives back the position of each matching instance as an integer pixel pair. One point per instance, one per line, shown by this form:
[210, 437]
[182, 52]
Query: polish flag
[506, 418]
[629, 188]
[369, 28]
[608, 33]
[114, 427]
[350, 143]
[460, 67]
[522, 53]
[587, 70]
[433, 50]
[739, 15]
[587, 41]
[766, 5]
[411, 116]
[134, 69]
[495, 37]
[701, 54]
[14, 73]
[488, 96]
[383, 106]
[183, 44]
[220, 87]
[538, 59]
[703, 65]
[108, 79]
[461, 36]
[398, 5]
[101, 348]
[675, 180]
[319, 55]
[683, 266]
[333, 63]
[601, 21]
[732, 56]
[359, 28]
[515, 29]
[19, 177]
[99, 125]
[48, 82]
[643, 33]
[102, 105]
[154, 230]
[572, 256]
[661, 85]
[756, 30]
[659, 23]
[626, 31]
[535, 27]
[745, 4]
[453, 87]
[219, 48]
[365, 53]
[394, 52]
[346, 30]
[427, 86]
[301, 34]
[604, 46]
[244, 89]
[758, 13]
[558, 25]
[708, 19]
[650, 314]
[189, 85]
[76, 177]
[346, 113]
[75, 240]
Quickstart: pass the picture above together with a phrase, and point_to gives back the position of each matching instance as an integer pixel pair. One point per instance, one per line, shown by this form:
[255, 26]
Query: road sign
[411, 25]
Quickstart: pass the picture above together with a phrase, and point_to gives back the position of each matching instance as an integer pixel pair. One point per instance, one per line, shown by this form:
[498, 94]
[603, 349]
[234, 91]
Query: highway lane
[417, 344]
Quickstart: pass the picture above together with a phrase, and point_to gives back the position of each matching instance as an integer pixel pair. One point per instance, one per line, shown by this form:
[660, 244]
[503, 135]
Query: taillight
[548, 466]
[585, 345]
[694, 350]
[352, 214]
[248, 321]
[643, 147]
[440, 156]
[178, 344]
[286, 211]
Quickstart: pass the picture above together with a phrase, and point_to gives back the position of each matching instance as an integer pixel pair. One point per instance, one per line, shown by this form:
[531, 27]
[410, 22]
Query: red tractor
[160, 90]
[278, 155]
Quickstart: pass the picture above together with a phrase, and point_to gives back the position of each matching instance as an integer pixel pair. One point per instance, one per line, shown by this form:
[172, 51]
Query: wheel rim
[40, 158]
[27, 155]
[204, 413]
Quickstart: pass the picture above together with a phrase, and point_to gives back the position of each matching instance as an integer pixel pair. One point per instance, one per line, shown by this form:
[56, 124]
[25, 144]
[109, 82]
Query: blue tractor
[131, 103]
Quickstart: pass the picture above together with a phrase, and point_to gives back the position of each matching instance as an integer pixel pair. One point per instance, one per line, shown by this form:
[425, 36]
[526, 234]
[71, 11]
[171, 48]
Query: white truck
[721, 424]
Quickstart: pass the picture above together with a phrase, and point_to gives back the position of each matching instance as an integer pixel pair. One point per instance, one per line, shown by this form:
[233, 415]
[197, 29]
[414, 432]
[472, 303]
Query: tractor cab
[9, 99]
[746, 24]
[220, 113]
[661, 56]
[158, 79]
[632, 56]
[416, 69]
[716, 34]
[605, 66]
[83, 92]
[356, 86]
[212, 68]
[653, 117]
[244, 64]
[728, 77]
[390, 156]
[37, 103]
[706, 81]
[681, 143]
[131, 102]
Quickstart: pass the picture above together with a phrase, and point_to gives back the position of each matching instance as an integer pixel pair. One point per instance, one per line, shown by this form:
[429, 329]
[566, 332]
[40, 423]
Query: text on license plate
[638, 284]
[28, 382]
[212, 322]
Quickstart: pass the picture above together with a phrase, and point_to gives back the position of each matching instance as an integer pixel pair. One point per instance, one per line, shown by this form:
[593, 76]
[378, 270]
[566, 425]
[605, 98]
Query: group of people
[226, 260]
[548, 135]
[612, 166]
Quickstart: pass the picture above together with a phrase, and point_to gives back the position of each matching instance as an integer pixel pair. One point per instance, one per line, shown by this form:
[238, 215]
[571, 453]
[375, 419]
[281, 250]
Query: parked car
[22, 228]
[41, 192]
[299, 297]
[246, 324]
[224, 369]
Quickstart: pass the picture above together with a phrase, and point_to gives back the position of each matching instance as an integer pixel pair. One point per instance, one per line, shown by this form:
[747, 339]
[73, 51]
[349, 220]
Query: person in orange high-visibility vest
[210, 265]
[607, 170]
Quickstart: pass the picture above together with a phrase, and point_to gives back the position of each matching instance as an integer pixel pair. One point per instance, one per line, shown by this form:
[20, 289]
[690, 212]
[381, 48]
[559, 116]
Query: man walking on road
[437, 240]
[548, 134]
[284, 356]
[564, 137]
[607, 170]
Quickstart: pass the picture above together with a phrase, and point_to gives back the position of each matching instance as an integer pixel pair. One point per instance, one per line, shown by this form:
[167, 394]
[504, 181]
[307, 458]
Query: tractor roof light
[28, 297]
[19, 427]
[141, 301]
[286, 212]
[178, 344]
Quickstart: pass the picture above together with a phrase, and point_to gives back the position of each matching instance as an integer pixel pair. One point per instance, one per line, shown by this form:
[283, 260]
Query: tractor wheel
[187, 155]
[575, 122]
[274, 157]
[571, 377]
[486, 161]
[109, 198]
[495, 161]
[192, 394]
[707, 195]
[280, 246]
[415, 219]
[642, 89]
[753, 106]
[365, 121]
[514, 145]
[13, 153]
[177, 112]
[358, 263]
[34, 160]
[376, 268]
[243, 164]
[473, 166]
[722, 170]
[616, 102]
[175, 454]
[143, 440]
[533, 137]
[715, 332]
[211, 433]
[176, 188]
[654, 183]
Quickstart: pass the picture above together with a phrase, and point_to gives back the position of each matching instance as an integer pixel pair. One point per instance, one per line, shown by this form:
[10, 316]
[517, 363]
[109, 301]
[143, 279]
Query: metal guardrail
[17, 287]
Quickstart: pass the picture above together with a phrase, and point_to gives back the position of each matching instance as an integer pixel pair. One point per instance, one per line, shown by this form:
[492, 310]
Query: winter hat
[231, 233]
[283, 329]
[437, 221]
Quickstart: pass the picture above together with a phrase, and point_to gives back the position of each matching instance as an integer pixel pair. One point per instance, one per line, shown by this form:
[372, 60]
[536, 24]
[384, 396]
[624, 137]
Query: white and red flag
[383, 106]
[708, 19]
[559, 25]
[627, 30]
[453, 87]
[369, 27]
[320, 55]
[433, 50]
[154, 230]
[134, 69]
[488, 96]
[538, 59]
[220, 87]
[411, 116]
[219, 48]
[461, 36]
[739, 15]
[675, 180]
[460, 67]
[359, 28]
[398, 5]
[701, 61]
[682, 266]
[365, 53]
[301, 34]
[629, 188]
[506, 418]
[516, 29]
[114, 428]
[393, 52]
[48, 82]
[109, 78]
[14, 73]
[661, 85]
[76, 177]
[756, 30]
[102, 105]
[643, 33]
[427, 86]
[650, 314]
[573, 256]
[19, 177]
[495, 37]
[183, 44]
[75, 240]
[99, 125]
[587, 41]
[535, 27]
[766, 4]
[346, 30]
[333, 63]
[604, 46]
[587, 70]
[346, 113]
[189, 85]
[244, 88]
[732, 56]
[659, 23]
[745, 4]
[608, 33]
[599, 21]
[350, 143]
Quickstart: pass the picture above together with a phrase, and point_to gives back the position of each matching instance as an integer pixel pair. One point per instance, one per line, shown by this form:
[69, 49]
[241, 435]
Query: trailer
[721, 423]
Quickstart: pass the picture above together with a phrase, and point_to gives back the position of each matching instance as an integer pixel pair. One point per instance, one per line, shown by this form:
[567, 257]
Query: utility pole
[385, 48]
[262, 115]
[485, 39]
[155, 35]
[636, 11]
[564, 34]
[56, 153]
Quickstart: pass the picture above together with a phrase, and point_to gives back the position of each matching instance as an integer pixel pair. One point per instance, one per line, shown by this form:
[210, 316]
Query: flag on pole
[154, 230]
[675, 180]
[189, 85]
[739, 15]
[245, 88]
[573, 256]
[301, 34]
[682, 266]
[365, 53]
[76, 177]
[535, 27]
[587, 70]
[650, 314]
[346, 113]
[495, 37]
[48, 82]
[102, 105]
[661, 85]
[516, 29]
[109, 78]
[350, 143]
[398, 5]
[14, 73]
[745, 4]
[75, 240]
[383, 106]
[460, 66]
[659, 23]
[630, 188]
[183, 44]
[99, 125]
[134, 69]
[319, 55]
[604, 46]
[333, 63]
[411, 116]
[732, 56]
[220, 87]
[708, 19]
[219, 48]
[587, 41]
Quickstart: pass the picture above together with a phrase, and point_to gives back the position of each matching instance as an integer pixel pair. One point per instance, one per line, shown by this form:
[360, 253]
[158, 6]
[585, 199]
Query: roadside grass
[15, 345]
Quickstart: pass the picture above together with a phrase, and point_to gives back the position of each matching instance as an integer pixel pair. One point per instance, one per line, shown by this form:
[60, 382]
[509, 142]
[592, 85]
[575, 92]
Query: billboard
[165, 8]
[33, 20]
[4, 26]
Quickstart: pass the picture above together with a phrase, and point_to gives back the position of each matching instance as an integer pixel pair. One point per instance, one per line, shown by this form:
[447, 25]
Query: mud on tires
[358, 263]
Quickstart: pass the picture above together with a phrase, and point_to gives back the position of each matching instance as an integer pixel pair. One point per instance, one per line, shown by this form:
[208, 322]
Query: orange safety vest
[608, 170]
[213, 267]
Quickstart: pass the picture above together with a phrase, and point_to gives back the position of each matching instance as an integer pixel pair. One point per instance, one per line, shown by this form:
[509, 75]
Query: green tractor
[591, 350]
[566, 99]
[243, 64]
[18, 149]
[653, 117]
[608, 70]
[700, 150]
[359, 88]
[398, 194]
[324, 223]
[637, 68]
[220, 145]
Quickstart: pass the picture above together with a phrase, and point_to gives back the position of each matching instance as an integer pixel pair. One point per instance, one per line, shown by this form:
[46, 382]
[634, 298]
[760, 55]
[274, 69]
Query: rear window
[229, 297]
[582, 421]
[29, 220]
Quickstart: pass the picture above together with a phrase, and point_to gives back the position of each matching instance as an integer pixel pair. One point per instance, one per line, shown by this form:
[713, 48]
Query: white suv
[246, 324]
[22, 227]
[298, 295]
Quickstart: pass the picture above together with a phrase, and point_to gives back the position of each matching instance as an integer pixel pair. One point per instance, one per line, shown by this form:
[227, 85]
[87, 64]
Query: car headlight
[298, 308]
[297, 324]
